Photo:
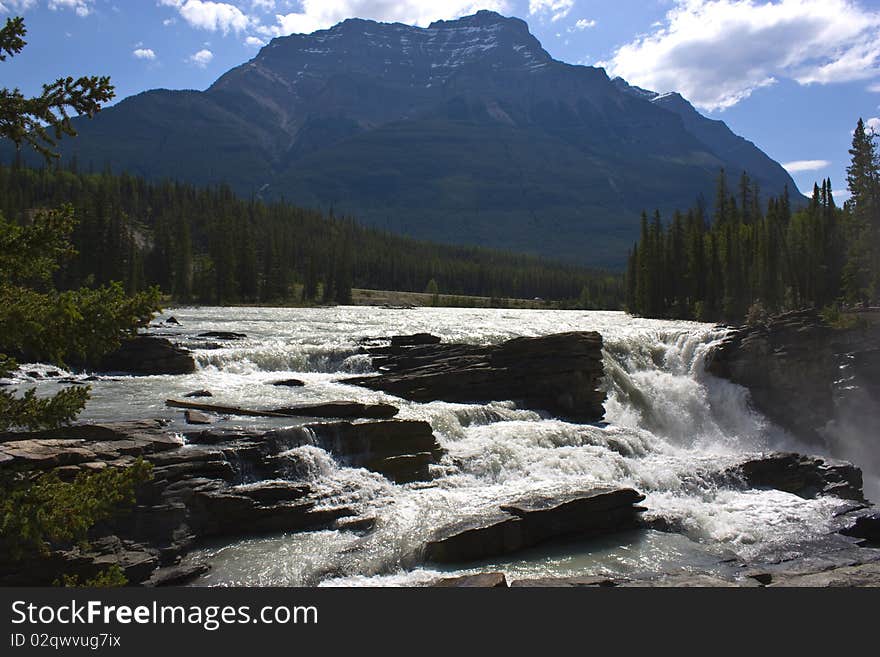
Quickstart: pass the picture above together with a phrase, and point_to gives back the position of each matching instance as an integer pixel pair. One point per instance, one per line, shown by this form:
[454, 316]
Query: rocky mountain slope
[467, 131]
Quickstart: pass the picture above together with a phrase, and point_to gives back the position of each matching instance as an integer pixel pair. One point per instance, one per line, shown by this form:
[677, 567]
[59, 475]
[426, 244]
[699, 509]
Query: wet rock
[805, 476]
[786, 365]
[197, 417]
[222, 335]
[558, 373]
[173, 321]
[481, 581]
[402, 451]
[199, 394]
[866, 527]
[533, 521]
[288, 383]
[791, 365]
[147, 355]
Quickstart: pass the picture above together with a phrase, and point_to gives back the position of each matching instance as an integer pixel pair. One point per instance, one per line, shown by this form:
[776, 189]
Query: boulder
[199, 394]
[147, 355]
[222, 335]
[560, 373]
[197, 417]
[805, 476]
[534, 520]
[288, 383]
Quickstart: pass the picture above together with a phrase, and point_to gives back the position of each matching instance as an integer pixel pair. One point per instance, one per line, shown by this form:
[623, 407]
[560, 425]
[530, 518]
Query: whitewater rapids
[669, 427]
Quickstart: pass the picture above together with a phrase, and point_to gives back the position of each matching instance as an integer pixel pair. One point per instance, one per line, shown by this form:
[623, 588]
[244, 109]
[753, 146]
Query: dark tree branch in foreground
[43, 120]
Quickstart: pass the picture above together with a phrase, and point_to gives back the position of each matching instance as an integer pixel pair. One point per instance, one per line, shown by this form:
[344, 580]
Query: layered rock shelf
[208, 485]
[559, 374]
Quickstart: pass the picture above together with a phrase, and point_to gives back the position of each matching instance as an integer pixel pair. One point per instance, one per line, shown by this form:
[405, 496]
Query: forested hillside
[720, 264]
[208, 246]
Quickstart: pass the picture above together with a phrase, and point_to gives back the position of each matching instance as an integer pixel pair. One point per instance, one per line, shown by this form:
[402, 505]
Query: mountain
[467, 131]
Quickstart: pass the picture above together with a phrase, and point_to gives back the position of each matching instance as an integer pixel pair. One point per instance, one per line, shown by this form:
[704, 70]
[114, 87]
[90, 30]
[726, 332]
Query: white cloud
[81, 7]
[875, 88]
[144, 53]
[806, 165]
[585, 24]
[718, 52]
[263, 5]
[254, 42]
[201, 59]
[212, 16]
[10, 6]
[873, 124]
[556, 9]
[321, 14]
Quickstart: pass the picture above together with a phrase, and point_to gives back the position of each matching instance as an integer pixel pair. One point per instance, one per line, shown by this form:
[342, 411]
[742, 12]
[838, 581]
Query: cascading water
[671, 428]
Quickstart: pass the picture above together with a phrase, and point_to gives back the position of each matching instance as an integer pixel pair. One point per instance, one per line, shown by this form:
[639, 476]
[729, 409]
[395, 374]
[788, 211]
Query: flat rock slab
[564, 582]
[481, 581]
[859, 576]
[83, 444]
[342, 410]
[338, 410]
[560, 373]
[533, 521]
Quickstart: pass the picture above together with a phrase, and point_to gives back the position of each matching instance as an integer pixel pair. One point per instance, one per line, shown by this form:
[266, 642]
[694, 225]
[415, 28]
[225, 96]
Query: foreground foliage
[40, 512]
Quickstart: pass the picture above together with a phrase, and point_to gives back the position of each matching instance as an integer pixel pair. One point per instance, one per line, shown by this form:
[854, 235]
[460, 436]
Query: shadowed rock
[533, 521]
[805, 476]
[147, 355]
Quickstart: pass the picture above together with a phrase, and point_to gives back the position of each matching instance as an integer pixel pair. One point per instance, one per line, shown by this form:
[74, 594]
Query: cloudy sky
[791, 75]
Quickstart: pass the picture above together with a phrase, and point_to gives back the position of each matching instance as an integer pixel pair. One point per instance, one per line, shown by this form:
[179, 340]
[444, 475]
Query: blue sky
[791, 75]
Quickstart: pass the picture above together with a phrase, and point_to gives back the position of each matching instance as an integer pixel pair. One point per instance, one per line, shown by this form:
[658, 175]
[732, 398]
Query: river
[669, 427]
